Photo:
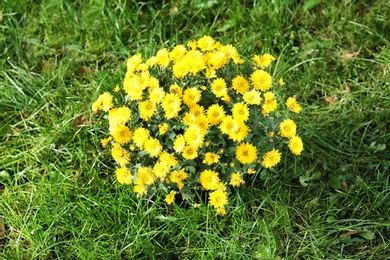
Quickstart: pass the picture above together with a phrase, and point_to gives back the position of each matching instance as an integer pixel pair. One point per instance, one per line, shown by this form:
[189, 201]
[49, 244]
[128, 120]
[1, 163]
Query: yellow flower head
[288, 128]
[104, 142]
[209, 179]
[170, 197]
[156, 95]
[236, 180]
[218, 198]
[246, 153]
[178, 52]
[218, 87]
[271, 158]
[210, 158]
[191, 96]
[261, 80]
[146, 175]
[270, 104]
[252, 97]
[120, 156]
[240, 84]
[293, 105]
[104, 102]
[179, 143]
[194, 136]
[124, 176]
[240, 112]
[296, 145]
[152, 146]
[189, 152]
[263, 61]
[215, 114]
[146, 109]
[119, 116]
[206, 43]
[121, 134]
[217, 60]
[178, 176]
[140, 135]
[162, 57]
[171, 105]
[163, 128]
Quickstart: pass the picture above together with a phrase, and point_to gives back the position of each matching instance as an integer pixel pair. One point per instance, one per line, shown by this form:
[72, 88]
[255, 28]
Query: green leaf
[310, 4]
[334, 182]
[367, 234]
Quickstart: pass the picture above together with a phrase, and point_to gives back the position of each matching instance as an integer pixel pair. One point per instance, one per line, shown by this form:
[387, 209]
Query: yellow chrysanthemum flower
[171, 105]
[139, 187]
[217, 60]
[124, 176]
[246, 153]
[153, 146]
[104, 142]
[218, 87]
[197, 110]
[104, 102]
[146, 175]
[121, 134]
[239, 131]
[179, 143]
[170, 197]
[161, 169]
[296, 145]
[194, 62]
[189, 152]
[206, 43]
[178, 52]
[163, 128]
[146, 109]
[232, 53]
[210, 158]
[240, 112]
[209, 179]
[263, 61]
[293, 105]
[252, 97]
[194, 136]
[270, 104]
[271, 158]
[240, 84]
[133, 87]
[288, 128]
[202, 123]
[251, 171]
[178, 176]
[168, 158]
[261, 80]
[236, 180]
[156, 95]
[191, 96]
[120, 156]
[140, 135]
[218, 198]
[133, 63]
[162, 57]
[119, 116]
[215, 114]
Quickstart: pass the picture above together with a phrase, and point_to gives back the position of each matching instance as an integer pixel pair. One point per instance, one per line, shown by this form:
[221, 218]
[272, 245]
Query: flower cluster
[195, 117]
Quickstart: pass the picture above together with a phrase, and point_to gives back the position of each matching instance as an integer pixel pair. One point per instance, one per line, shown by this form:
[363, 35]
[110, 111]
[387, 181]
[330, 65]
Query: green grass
[58, 194]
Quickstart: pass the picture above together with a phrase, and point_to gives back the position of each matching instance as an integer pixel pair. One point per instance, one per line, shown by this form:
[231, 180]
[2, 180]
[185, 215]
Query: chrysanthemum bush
[197, 117]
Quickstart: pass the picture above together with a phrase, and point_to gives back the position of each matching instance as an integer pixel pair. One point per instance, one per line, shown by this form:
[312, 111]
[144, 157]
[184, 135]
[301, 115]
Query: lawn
[59, 198]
